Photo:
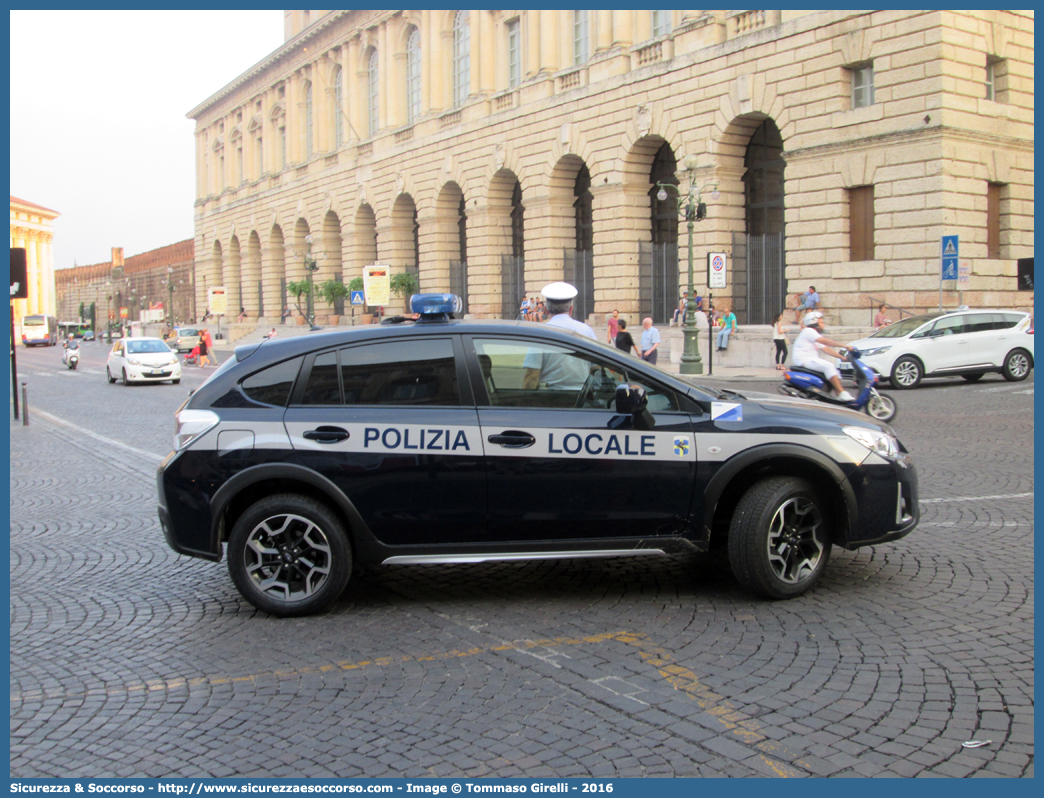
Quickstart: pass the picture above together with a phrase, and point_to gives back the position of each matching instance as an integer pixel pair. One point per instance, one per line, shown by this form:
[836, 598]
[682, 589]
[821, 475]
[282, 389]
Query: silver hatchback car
[185, 339]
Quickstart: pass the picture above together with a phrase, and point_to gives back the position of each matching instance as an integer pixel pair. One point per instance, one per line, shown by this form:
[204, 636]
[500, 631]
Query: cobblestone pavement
[129, 660]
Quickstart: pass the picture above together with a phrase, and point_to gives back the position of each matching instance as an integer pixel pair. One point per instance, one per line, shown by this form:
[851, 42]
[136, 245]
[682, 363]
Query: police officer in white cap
[559, 298]
[559, 372]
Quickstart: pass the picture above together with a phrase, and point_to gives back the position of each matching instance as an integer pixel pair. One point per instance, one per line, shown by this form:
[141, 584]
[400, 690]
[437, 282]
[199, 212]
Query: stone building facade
[32, 230]
[491, 152]
[139, 282]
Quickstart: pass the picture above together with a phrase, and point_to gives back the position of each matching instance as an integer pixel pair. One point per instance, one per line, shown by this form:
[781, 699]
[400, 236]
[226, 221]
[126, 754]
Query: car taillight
[190, 424]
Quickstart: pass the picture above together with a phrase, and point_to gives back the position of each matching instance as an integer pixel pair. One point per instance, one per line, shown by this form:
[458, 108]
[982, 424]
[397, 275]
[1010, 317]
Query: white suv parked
[968, 343]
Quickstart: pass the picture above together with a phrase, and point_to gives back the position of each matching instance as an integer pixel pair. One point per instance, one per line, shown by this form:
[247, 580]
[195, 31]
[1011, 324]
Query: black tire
[73, 365]
[907, 372]
[175, 382]
[882, 407]
[973, 377]
[108, 376]
[778, 538]
[126, 382]
[306, 544]
[1017, 365]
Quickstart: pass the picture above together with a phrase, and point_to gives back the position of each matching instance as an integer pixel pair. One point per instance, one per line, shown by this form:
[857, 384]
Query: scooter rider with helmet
[69, 343]
[809, 343]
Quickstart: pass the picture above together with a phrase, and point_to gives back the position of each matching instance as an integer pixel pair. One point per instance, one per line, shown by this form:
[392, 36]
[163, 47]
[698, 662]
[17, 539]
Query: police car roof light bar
[435, 307]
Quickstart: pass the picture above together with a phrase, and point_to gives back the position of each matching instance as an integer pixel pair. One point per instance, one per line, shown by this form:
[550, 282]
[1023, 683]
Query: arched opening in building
[506, 227]
[331, 260]
[759, 293]
[253, 290]
[658, 260]
[450, 249]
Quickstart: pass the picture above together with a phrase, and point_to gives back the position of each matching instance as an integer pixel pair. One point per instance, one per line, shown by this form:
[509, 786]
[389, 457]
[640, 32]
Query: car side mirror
[632, 401]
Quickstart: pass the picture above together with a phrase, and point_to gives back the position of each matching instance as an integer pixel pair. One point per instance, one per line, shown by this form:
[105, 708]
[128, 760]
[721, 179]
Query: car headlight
[876, 441]
[878, 351]
[133, 362]
[190, 424]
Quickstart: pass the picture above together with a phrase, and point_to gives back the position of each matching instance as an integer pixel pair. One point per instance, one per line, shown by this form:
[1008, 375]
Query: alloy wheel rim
[287, 557]
[906, 373]
[879, 407]
[794, 548]
[1019, 365]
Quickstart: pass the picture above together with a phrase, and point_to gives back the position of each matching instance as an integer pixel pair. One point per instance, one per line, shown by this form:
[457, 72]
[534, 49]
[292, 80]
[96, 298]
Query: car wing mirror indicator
[632, 405]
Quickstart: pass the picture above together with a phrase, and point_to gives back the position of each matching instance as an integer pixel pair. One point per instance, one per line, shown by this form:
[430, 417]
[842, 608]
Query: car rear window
[271, 386]
[415, 372]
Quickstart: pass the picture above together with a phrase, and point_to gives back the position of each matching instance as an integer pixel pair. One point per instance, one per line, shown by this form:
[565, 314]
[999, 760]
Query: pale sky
[98, 125]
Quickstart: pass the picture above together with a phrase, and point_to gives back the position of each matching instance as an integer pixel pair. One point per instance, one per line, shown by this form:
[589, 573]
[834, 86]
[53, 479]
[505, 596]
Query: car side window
[271, 386]
[531, 374]
[415, 372]
[323, 387]
[952, 325]
[1005, 321]
[979, 322]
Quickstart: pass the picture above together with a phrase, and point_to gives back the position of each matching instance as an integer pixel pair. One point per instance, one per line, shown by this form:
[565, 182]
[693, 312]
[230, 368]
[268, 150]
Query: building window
[308, 120]
[338, 106]
[661, 23]
[514, 36]
[996, 79]
[862, 85]
[518, 238]
[282, 146]
[581, 37]
[413, 76]
[461, 58]
[239, 164]
[260, 156]
[861, 223]
[371, 88]
[993, 219]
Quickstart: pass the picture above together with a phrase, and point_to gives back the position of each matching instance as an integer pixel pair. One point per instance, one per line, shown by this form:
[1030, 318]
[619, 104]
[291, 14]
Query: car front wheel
[906, 373]
[1016, 366]
[778, 538]
[289, 555]
[108, 376]
[126, 379]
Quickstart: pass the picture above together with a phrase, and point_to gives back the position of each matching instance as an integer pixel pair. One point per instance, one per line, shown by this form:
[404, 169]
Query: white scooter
[71, 356]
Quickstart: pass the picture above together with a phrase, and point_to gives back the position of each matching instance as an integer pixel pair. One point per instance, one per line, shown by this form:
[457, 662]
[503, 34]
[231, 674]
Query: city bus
[39, 331]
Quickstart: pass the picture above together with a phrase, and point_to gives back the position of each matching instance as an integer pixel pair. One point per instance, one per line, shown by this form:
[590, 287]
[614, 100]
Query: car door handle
[327, 435]
[513, 439]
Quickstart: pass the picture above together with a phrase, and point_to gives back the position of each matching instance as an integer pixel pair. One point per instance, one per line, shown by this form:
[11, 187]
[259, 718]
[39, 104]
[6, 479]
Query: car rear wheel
[778, 539]
[289, 555]
[1016, 366]
[906, 373]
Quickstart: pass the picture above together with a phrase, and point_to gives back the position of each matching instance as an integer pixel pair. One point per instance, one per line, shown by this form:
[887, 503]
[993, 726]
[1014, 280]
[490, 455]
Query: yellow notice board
[217, 302]
[377, 284]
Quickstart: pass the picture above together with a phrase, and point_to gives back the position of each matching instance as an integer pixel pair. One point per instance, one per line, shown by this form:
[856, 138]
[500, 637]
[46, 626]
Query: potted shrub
[332, 291]
[404, 285]
[297, 289]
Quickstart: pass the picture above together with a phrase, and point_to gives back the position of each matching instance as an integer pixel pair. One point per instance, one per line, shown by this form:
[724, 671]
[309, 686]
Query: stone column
[623, 27]
[487, 241]
[621, 217]
[487, 49]
[532, 19]
[550, 21]
[604, 32]
[385, 76]
[549, 230]
[356, 73]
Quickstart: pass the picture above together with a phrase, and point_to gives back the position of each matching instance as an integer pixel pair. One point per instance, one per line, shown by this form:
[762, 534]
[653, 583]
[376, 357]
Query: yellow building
[491, 152]
[31, 230]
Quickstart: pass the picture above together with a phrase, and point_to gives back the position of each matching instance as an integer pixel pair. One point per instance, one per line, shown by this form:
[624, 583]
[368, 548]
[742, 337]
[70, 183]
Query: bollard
[25, 407]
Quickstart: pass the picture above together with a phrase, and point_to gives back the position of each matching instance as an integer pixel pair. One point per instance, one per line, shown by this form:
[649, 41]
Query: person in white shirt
[809, 343]
[558, 371]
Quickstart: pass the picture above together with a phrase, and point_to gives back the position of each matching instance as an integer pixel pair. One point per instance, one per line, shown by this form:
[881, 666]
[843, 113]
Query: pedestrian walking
[624, 342]
[650, 341]
[779, 338]
[203, 350]
[614, 326]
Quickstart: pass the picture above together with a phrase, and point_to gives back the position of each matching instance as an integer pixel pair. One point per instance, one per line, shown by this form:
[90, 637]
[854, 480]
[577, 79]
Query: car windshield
[905, 326]
[146, 347]
[187, 331]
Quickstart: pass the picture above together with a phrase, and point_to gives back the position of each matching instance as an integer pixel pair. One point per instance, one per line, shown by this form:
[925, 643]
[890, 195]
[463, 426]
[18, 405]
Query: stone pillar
[434, 265]
[550, 21]
[385, 77]
[621, 217]
[549, 229]
[623, 27]
[487, 50]
[604, 31]
[532, 19]
[272, 270]
[356, 74]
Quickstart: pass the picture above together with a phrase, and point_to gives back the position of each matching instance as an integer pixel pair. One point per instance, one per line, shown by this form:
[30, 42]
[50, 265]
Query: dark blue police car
[442, 441]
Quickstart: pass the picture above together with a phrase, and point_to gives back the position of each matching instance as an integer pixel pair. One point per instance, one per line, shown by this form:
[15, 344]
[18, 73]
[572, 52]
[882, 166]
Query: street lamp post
[311, 267]
[694, 210]
[170, 295]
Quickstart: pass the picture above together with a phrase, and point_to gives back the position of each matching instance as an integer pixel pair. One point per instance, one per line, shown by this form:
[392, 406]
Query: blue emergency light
[435, 307]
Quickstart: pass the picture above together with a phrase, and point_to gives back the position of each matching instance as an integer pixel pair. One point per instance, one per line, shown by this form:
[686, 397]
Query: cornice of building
[936, 133]
[32, 207]
[286, 50]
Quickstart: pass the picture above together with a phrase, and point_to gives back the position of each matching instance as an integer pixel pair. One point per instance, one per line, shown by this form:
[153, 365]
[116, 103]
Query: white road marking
[1030, 392]
[95, 436]
[977, 498]
[1001, 388]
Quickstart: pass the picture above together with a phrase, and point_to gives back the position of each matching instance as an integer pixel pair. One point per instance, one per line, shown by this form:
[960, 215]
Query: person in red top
[614, 326]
